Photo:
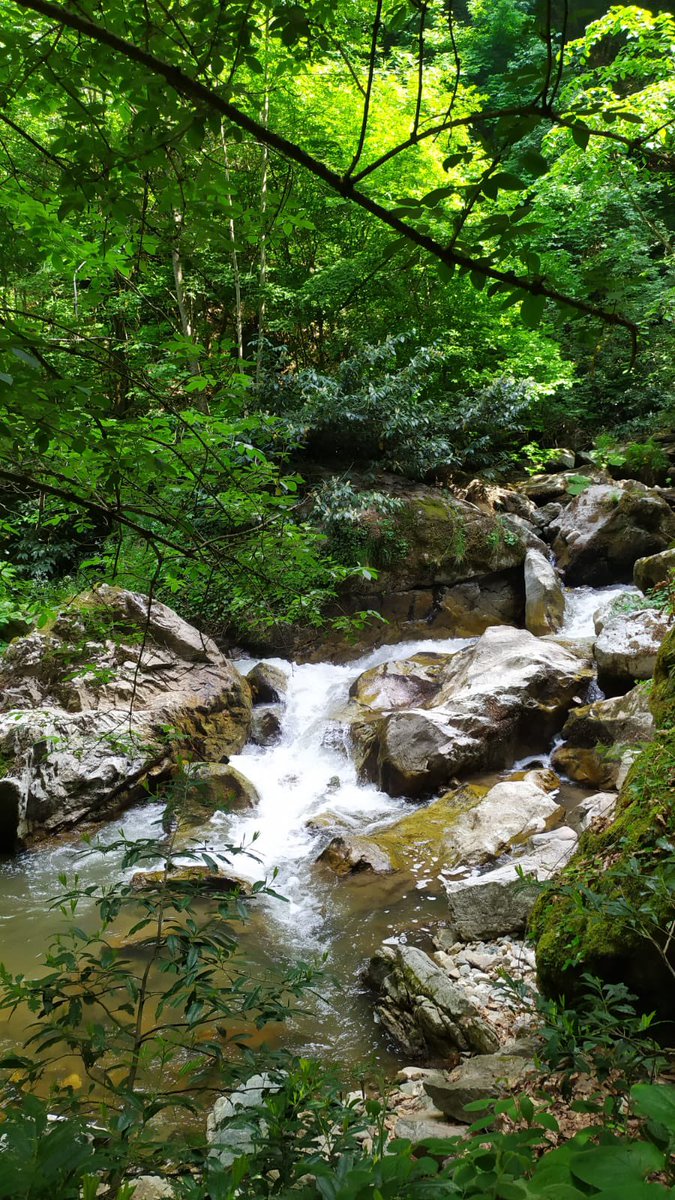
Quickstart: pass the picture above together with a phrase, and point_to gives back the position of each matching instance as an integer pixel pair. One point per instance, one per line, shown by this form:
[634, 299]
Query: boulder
[435, 541]
[420, 1127]
[422, 1009]
[347, 855]
[268, 684]
[592, 767]
[544, 599]
[86, 704]
[600, 807]
[204, 788]
[266, 724]
[497, 902]
[526, 530]
[469, 826]
[406, 683]
[465, 711]
[562, 485]
[197, 878]
[627, 647]
[649, 572]
[485, 1076]
[607, 528]
[621, 720]
[560, 460]
[236, 1124]
[574, 938]
[547, 520]
[468, 609]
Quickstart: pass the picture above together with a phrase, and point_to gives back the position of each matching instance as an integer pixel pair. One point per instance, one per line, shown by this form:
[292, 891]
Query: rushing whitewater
[307, 773]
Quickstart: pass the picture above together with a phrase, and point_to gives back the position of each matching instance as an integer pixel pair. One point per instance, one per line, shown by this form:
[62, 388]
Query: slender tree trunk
[178, 278]
[234, 257]
[198, 398]
[262, 267]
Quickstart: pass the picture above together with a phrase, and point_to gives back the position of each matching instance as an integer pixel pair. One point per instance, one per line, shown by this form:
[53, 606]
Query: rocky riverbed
[399, 794]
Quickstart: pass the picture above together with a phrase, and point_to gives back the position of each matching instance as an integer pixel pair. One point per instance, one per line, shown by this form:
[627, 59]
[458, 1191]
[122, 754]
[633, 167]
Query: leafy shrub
[389, 407]
[360, 526]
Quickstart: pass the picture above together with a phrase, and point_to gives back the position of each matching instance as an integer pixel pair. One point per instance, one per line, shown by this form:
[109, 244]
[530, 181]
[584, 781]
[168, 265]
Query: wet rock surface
[498, 902]
[85, 707]
[605, 530]
[619, 720]
[203, 788]
[347, 855]
[544, 599]
[268, 684]
[466, 710]
[627, 646]
[653, 570]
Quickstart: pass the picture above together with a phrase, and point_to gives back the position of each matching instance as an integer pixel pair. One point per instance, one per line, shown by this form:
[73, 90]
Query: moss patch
[572, 936]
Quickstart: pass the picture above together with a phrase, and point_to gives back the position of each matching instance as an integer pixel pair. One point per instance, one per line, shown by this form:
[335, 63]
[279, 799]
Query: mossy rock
[574, 938]
[187, 880]
[662, 698]
[205, 788]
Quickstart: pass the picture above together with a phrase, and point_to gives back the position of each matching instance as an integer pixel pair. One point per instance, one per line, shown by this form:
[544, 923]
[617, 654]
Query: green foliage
[148, 1020]
[612, 907]
[602, 1035]
[646, 460]
[361, 527]
[157, 1039]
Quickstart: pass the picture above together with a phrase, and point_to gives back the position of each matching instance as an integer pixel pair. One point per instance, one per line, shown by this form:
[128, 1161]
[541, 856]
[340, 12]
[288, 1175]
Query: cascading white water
[308, 772]
[582, 603]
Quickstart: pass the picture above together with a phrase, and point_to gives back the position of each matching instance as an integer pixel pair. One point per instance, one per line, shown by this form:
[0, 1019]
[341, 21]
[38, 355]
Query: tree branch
[369, 87]
[199, 93]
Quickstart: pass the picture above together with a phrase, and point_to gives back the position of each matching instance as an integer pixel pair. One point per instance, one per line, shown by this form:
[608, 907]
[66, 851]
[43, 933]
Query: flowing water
[306, 774]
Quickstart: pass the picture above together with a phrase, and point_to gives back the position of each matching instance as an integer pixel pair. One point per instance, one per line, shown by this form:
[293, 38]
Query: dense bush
[390, 406]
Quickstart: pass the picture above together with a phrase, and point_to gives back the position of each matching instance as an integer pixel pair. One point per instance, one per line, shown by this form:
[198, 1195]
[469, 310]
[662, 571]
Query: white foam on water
[582, 603]
[306, 773]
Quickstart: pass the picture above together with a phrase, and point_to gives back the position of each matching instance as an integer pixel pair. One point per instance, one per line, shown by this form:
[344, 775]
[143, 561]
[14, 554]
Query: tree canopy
[209, 211]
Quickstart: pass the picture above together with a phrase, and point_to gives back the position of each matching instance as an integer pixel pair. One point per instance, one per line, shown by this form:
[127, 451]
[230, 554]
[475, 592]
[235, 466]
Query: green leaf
[617, 1165]
[581, 134]
[534, 162]
[656, 1101]
[508, 182]
[532, 310]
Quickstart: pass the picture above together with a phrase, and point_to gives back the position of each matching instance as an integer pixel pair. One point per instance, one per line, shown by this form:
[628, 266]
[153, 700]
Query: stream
[306, 774]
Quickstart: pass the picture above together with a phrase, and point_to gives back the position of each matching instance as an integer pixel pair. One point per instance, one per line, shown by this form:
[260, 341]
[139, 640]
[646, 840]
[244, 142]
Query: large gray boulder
[468, 827]
[422, 1009]
[419, 722]
[655, 569]
[497, 902]
[485, 1076]
[621, 720]
[607, 528]
[86, 705]
[627, 646]
[544, 599]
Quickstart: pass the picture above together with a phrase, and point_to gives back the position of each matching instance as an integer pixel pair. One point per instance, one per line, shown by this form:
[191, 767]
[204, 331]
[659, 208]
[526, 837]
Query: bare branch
[199, 93]
[369, 87]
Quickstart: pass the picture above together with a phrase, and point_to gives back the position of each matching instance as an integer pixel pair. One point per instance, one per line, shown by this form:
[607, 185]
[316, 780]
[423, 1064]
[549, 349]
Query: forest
[337, 581]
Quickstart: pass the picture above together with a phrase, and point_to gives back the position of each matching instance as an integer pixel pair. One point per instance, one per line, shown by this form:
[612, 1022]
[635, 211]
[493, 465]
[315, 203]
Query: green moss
[573, 936]
[662, 699]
